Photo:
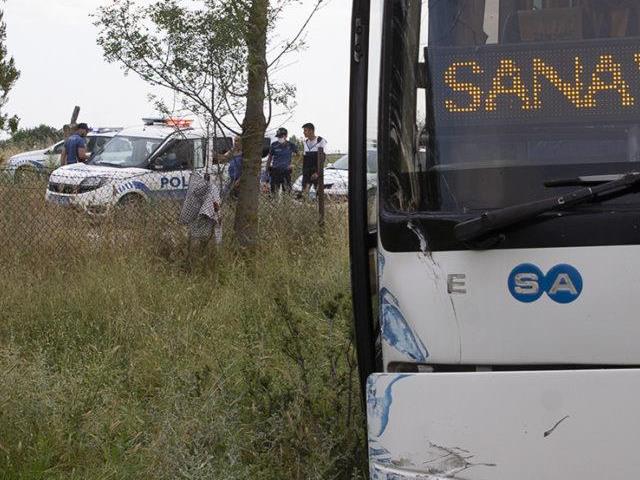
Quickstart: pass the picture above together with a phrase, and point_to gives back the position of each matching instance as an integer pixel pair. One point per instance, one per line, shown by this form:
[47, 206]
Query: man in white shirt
[313, 161]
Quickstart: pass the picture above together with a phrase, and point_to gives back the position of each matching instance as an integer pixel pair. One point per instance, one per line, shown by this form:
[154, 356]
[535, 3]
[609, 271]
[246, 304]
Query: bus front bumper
[565, 424]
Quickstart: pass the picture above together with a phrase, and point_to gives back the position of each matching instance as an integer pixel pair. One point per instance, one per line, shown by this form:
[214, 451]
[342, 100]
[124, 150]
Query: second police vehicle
[44, 161]
[505, 344]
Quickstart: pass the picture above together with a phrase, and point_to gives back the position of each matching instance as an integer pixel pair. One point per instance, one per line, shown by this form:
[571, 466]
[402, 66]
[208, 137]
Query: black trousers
[280, 179]
[310, 168]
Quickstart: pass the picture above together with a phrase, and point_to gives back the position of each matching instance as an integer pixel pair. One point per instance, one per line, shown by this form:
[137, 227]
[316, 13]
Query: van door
[52, 156]
[172, 168]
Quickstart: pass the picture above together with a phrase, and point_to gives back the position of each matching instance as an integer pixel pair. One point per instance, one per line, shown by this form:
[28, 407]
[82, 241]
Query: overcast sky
[54, 45]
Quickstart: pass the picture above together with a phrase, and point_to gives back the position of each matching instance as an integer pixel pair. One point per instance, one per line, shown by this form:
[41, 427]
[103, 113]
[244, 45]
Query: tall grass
[120, 358]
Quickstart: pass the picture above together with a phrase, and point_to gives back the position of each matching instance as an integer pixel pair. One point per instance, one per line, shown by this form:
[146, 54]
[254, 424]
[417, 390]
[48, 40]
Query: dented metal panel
[539, 306]
[504, 426]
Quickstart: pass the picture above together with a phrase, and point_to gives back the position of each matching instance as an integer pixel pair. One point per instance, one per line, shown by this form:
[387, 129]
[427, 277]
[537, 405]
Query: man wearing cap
[314, 149]
[279, 162]
[75, 147]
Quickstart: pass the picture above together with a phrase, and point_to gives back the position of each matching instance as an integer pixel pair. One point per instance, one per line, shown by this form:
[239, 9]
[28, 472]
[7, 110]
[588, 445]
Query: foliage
[297, 142]
[42, 135]
[196, 49]
[9, 75]
[125, 361]
[25, 139]
[213, 55]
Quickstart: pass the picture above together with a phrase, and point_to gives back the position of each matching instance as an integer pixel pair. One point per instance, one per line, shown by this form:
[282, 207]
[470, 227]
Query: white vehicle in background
[137, 165]
[336, 176]
[41, 162]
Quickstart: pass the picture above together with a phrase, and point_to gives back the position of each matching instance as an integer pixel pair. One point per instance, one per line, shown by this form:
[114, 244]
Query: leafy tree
[213, 55]
[9, 75]
[36, 136]
[297, 142]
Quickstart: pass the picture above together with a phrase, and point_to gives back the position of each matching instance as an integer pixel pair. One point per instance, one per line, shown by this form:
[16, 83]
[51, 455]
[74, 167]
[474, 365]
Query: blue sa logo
[563, 283]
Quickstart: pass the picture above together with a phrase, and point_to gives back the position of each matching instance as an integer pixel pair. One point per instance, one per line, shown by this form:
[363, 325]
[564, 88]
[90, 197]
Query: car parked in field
[138, 164]
[46, 160]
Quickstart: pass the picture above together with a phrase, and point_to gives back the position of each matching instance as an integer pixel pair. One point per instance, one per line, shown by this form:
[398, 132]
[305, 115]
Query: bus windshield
[519, 92]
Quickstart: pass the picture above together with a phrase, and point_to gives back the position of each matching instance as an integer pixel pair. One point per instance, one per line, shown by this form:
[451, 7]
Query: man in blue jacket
[235, 158]
[279, 163]
[75, 147]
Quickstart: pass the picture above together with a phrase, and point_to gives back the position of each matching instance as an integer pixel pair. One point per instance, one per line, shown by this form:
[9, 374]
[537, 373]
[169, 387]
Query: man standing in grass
[279, 163]
[314, 150]
[235, 158]
[75, 147]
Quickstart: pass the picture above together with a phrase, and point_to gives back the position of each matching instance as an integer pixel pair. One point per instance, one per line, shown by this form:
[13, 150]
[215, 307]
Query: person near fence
[314, 149]
[235, 159]
[279, 163]
[201, 212]
[75, 147]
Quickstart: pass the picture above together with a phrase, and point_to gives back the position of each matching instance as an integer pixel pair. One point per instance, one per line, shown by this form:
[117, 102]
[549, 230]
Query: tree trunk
[254, 126]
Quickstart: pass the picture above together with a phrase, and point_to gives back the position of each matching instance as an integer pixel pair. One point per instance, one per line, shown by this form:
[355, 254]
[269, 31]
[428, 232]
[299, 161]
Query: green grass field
[119, 359]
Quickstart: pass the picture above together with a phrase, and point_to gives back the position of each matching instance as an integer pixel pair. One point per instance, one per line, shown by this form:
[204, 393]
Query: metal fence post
[320, 189]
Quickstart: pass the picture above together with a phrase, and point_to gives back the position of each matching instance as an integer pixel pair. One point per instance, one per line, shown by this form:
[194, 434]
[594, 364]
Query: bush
[25, 139]
[42, 134]
[121, 358]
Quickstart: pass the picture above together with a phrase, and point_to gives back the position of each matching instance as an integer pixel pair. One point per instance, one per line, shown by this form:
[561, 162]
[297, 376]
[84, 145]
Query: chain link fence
[187, 357]
[45, 213]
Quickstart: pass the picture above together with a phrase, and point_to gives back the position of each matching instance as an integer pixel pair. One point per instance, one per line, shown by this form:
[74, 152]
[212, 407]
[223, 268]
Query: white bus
[498, 338]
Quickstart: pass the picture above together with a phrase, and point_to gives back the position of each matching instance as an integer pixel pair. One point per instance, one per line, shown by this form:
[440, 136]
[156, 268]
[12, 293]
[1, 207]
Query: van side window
[58, 148]
[199, 153]
[181, 154]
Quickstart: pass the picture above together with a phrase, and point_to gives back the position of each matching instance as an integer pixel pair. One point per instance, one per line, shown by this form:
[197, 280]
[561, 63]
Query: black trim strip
[588, 228]
[358, 204]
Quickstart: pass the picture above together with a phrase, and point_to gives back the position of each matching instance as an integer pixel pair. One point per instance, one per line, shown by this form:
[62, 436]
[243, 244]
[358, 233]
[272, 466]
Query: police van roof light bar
[170, 121]
[152, 120]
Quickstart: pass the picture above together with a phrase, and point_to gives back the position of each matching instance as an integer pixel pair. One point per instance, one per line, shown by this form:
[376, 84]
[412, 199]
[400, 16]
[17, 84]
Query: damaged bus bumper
[565, 424]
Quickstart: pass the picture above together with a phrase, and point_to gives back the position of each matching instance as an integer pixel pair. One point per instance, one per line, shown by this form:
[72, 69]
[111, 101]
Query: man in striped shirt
[314, 150]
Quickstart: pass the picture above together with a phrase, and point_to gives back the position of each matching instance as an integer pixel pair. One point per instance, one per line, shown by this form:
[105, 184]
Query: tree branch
[293, 41]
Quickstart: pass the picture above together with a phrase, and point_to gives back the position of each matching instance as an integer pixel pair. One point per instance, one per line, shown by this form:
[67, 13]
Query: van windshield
[126, 152]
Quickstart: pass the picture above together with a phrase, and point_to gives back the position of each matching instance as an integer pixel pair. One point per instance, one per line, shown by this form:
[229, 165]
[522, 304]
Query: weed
[118, 360]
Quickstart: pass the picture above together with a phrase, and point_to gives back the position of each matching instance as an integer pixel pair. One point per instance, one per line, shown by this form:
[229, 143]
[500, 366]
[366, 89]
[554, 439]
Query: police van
[41, 162]
[139, 164]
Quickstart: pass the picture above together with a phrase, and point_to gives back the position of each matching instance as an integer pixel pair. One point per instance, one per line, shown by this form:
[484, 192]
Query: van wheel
[131, 208]
[26, 174]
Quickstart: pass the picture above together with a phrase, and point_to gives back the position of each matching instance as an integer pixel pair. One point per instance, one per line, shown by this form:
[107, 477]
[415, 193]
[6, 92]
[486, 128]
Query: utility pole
[68, 129]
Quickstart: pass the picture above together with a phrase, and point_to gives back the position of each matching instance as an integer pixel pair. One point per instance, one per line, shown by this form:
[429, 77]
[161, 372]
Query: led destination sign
[536, 83]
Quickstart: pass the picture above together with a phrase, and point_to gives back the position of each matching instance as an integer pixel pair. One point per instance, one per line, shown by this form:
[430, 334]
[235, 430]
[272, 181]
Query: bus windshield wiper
[494, 220]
